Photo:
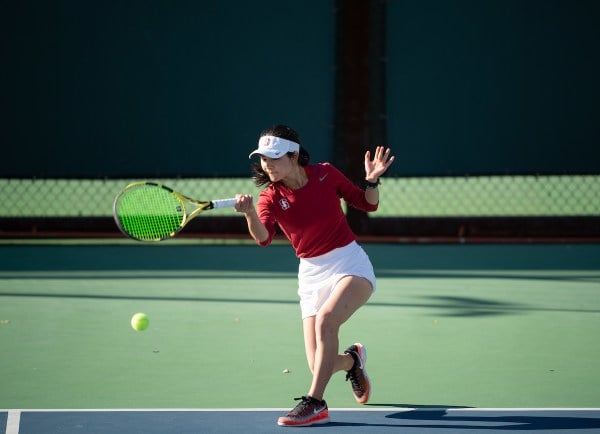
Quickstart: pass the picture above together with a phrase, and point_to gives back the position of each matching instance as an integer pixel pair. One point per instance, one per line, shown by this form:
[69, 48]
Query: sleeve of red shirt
[265, 215]
[353, 195]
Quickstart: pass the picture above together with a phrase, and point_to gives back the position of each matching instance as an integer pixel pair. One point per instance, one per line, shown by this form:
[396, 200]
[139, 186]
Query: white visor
[275, 147]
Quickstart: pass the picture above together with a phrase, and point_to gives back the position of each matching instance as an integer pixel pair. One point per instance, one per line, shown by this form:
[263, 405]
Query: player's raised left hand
[382, 159]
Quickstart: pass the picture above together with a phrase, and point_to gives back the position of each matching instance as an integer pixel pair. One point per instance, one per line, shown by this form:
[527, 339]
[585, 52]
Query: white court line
[13, 421]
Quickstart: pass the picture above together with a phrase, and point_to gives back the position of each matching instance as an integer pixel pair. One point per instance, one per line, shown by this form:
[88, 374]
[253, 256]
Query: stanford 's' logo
[284, 204]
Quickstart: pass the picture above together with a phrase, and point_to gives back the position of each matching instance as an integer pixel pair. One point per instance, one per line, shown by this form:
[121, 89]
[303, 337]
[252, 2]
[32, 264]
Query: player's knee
[326, 324]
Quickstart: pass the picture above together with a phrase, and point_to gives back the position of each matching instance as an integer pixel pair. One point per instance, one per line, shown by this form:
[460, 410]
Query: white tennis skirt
[318, 276]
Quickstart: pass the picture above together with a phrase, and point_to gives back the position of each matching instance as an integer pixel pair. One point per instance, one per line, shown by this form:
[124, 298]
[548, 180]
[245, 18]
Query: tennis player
[335, 275]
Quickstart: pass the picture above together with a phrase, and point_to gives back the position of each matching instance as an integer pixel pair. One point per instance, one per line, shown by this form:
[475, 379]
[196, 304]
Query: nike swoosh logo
[322, 178]
[318, 410]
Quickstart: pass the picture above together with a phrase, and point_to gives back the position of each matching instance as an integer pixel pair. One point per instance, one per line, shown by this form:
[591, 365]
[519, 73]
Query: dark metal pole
[360, 121]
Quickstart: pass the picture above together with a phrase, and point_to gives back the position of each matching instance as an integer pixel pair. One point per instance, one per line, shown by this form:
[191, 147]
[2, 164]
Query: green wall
[182, 88]
[155, 88]
[494, 86]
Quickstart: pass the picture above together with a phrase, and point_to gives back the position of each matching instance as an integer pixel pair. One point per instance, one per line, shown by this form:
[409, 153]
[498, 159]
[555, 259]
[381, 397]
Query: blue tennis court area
[427, 420]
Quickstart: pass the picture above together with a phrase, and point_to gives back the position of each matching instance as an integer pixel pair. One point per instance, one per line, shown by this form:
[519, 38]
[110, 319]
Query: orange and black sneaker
[309, 411]
[361, 386]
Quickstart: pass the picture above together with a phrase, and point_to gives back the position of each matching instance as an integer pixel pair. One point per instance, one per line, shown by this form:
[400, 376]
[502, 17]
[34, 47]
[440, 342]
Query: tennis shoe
[309, 411]
[361, 386]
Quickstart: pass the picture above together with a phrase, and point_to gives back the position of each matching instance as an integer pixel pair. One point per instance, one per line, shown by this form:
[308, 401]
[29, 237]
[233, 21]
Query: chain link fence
[482, 196]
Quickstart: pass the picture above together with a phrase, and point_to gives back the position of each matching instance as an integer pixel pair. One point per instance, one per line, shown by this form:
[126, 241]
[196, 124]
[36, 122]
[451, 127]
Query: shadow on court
[388, 259]
[498, 420]
[448, 306]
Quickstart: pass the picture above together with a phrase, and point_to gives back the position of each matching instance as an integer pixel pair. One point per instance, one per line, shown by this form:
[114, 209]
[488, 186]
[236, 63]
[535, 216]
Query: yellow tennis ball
[140, 321]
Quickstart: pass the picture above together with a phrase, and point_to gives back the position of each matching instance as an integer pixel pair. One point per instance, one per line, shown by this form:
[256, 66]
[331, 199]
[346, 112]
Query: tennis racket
[148, 211]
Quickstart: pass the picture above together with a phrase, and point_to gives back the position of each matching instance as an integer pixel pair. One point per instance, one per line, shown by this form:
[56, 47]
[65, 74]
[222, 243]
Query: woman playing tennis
[335, 275]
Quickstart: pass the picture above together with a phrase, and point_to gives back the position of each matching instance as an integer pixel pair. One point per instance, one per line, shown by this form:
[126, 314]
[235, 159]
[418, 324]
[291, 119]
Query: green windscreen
[148, 212]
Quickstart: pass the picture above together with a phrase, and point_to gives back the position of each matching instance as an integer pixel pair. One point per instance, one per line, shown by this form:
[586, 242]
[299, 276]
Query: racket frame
[185, 201]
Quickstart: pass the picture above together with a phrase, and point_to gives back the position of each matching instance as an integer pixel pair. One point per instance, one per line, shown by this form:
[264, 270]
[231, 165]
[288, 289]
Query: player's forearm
[372, 196]
[257, 229]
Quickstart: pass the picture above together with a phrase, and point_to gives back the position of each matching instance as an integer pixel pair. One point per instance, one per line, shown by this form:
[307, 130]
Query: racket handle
[224, 203]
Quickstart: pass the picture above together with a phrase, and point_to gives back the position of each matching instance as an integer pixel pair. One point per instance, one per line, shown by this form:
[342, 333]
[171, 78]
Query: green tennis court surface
[495, 326]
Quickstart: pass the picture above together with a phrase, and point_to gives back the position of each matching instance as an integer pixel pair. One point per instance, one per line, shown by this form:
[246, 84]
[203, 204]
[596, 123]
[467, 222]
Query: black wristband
[371, 185]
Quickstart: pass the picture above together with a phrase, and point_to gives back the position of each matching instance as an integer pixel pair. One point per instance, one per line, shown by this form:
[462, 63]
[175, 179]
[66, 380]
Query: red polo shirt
[312, 217]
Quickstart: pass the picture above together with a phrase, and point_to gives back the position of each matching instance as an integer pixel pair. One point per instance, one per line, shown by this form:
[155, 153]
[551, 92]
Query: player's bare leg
[342, 362]
[350, 294]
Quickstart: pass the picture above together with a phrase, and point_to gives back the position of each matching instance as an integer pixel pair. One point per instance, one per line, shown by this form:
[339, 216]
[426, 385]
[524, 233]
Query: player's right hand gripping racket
[148, 211]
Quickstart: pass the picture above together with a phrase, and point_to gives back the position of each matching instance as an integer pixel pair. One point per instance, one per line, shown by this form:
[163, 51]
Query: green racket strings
[149, 213]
